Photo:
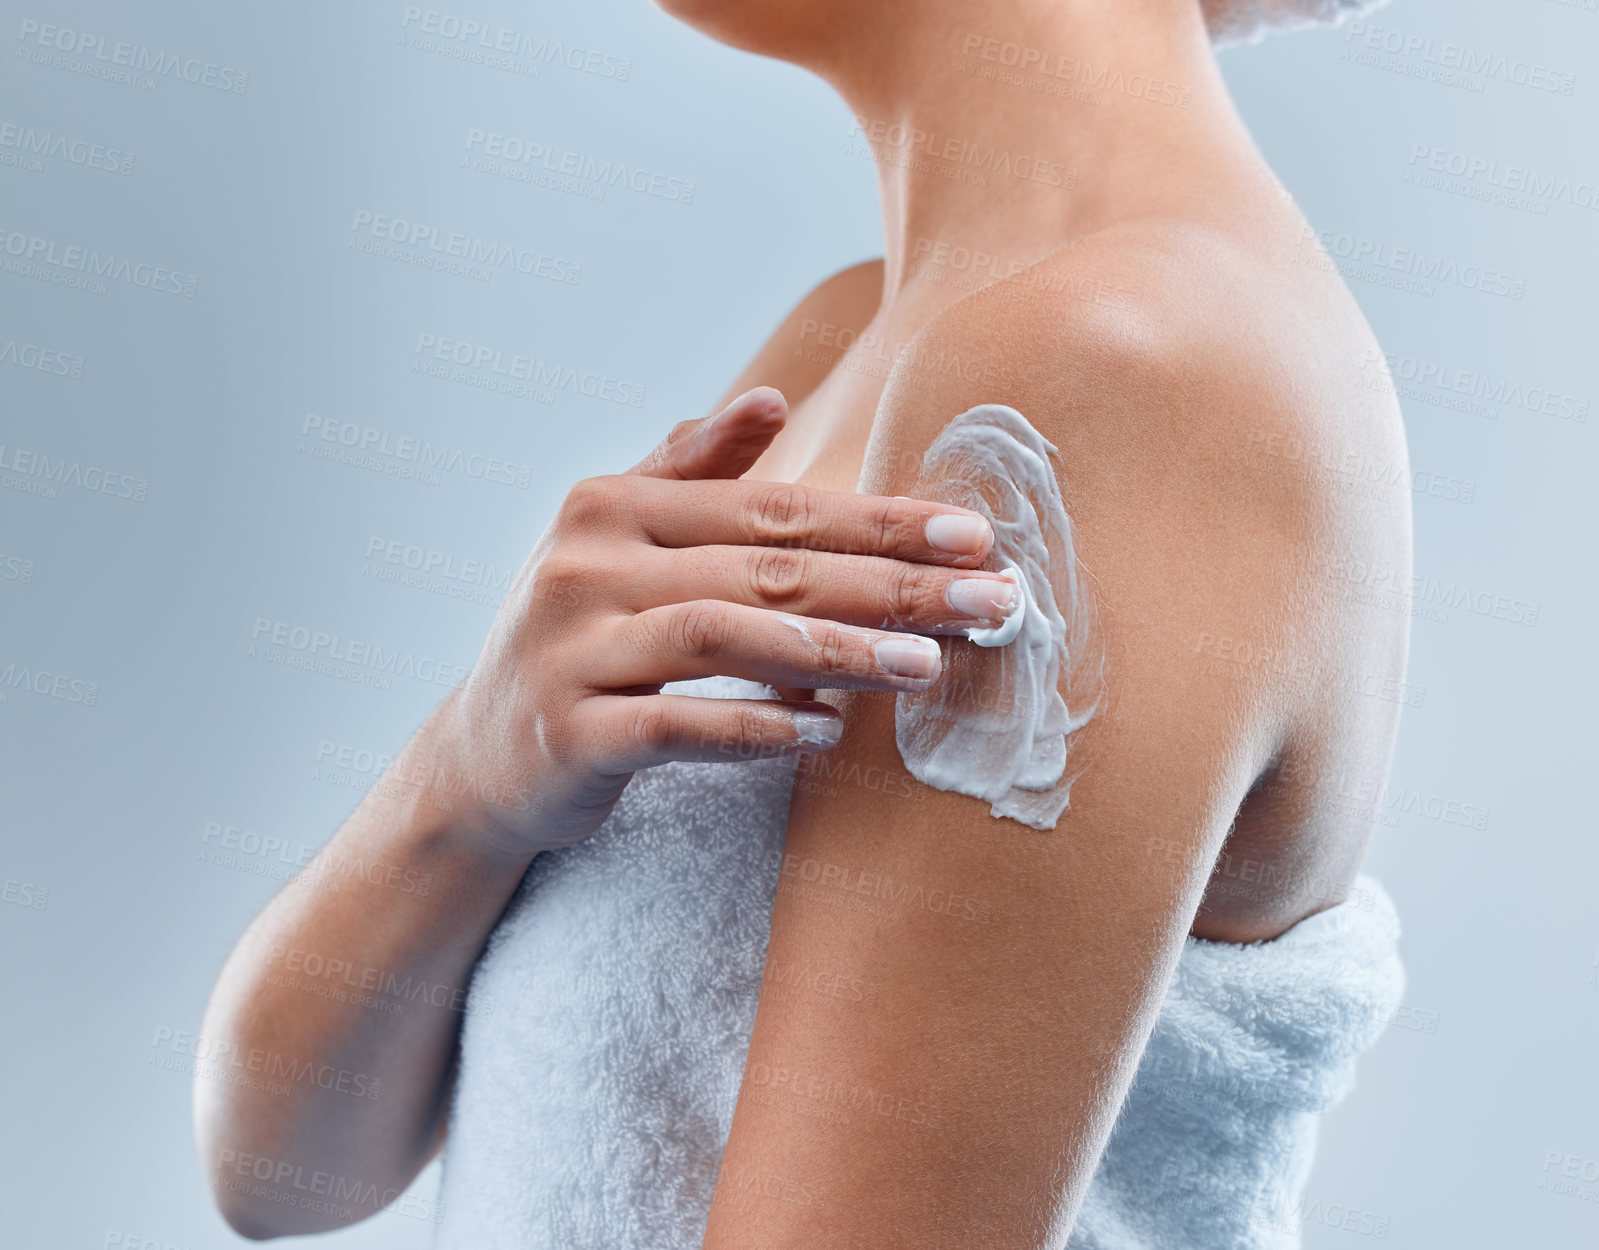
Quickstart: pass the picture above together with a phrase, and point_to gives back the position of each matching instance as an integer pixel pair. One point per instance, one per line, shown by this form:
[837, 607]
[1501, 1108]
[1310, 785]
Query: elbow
[247, 1222]
[254, 1208]
[247, 1214]
[267, 1182]
[243, 1180]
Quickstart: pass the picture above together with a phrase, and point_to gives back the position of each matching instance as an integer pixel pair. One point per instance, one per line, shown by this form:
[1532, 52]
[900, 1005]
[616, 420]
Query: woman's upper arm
[954, 1005]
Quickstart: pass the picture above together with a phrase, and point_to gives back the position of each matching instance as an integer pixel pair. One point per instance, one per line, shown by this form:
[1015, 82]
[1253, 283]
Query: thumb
[722, 446]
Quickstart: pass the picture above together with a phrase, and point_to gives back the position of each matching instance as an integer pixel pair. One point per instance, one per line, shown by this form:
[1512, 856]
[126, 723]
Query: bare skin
[1167, 326]
[672, 571]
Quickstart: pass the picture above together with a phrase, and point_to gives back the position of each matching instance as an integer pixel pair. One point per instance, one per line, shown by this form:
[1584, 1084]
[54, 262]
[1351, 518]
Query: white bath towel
[594, 1100]
[1249, 21]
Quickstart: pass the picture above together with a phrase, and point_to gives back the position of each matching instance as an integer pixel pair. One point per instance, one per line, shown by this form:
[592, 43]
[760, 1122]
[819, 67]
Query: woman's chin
[771, 29]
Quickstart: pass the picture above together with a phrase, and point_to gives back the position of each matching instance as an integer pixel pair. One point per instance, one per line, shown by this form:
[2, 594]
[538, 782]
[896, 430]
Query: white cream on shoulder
[999, 724]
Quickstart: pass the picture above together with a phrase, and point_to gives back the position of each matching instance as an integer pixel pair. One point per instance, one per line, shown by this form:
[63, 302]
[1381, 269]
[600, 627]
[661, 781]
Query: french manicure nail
[980, 598]
[959, 535]
[909, 657]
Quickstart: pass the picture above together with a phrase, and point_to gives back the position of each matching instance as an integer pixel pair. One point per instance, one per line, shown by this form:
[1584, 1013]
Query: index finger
[784, 514]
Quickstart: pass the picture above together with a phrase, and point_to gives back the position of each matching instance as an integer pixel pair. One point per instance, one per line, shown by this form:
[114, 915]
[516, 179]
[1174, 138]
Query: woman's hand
[677, 570]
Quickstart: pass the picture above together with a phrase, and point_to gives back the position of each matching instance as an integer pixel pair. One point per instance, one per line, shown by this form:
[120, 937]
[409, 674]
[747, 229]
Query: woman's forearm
[336, 1018]
[332, 1030]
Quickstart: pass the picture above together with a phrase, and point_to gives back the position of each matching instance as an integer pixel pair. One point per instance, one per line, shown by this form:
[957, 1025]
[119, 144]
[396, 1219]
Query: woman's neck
[1011, 128]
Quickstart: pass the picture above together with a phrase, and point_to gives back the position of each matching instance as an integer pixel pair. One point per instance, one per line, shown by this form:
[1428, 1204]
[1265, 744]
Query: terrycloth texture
[1249, 21]
[593, 1103]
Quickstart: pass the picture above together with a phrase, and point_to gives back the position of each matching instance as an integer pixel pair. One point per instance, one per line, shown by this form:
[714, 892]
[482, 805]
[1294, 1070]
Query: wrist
[444, 804]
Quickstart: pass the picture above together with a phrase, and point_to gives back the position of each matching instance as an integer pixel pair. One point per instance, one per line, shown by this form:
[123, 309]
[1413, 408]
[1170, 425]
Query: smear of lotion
[998, 725]
[1015, 617]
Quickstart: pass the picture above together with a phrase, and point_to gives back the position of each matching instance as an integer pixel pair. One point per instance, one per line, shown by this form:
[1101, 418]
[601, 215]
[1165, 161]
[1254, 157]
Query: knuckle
[777, 576]
[696, 630]
[561, 579]
[781, 513]
[905, 591]
[833, 651]
[560, 739]
[649, 726]
[753, 729]
[682, 430]
[886, 521]
[591, 500]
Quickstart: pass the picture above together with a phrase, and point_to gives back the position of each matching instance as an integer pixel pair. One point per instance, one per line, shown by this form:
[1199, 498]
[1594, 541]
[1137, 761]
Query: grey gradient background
[1488, 1073]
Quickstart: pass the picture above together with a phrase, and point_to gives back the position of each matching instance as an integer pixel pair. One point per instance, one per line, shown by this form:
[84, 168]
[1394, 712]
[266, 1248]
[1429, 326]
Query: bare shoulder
[802, 349]
[1229, 451]
[1197, 382]
[1195, 351]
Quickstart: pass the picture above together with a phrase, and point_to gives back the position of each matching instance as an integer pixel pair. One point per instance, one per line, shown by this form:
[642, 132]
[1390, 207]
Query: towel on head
[1250, 21]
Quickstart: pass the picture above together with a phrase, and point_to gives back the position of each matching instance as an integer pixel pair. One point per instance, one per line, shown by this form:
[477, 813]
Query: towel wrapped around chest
[610, 1015]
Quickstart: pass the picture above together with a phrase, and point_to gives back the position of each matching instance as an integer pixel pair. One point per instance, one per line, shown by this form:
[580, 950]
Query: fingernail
[771, 411]
[741, 404]
[818, 729]
[909, 657]
[980, 598]
[959, 535]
